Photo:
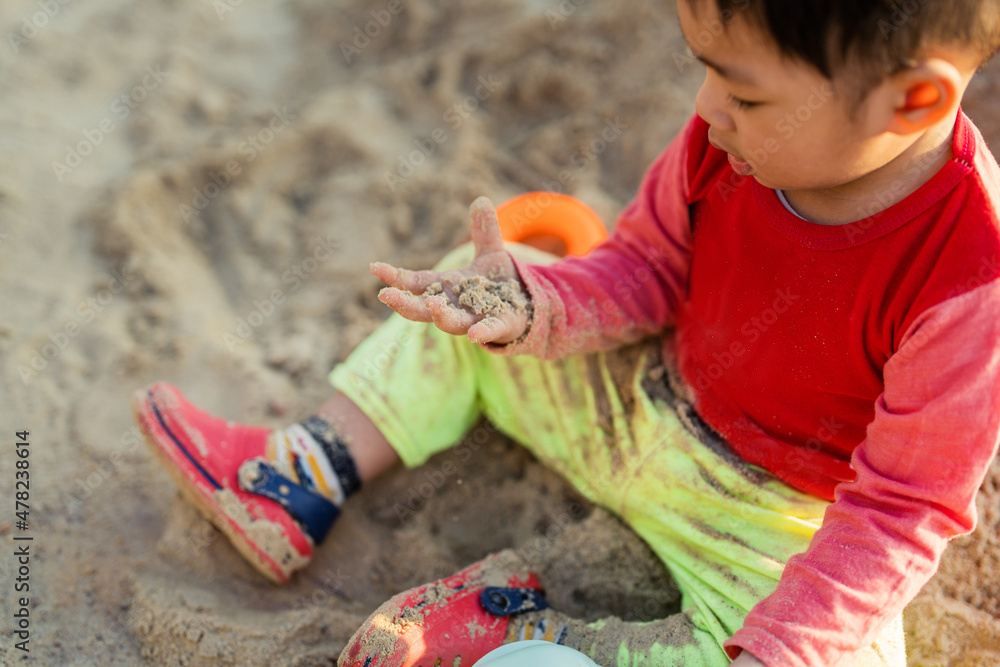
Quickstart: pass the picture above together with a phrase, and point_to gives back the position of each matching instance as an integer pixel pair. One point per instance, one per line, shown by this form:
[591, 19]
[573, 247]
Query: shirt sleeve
[630, 286]
[919, 469]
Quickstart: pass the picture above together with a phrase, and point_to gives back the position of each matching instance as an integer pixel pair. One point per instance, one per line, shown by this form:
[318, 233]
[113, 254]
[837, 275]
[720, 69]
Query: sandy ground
[193, 191]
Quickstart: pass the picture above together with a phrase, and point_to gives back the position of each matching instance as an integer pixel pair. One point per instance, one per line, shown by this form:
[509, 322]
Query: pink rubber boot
[204, 455]
[452, 622]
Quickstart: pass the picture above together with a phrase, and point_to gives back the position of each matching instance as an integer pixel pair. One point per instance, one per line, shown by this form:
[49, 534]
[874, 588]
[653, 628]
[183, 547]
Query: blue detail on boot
[510, 601]
[315, 512]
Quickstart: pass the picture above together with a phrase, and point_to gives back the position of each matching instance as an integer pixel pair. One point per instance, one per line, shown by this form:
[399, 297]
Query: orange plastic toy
[549, 214]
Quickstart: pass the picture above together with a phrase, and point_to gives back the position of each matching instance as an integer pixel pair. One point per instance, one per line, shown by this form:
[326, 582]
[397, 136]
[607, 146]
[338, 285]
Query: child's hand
[484, 300]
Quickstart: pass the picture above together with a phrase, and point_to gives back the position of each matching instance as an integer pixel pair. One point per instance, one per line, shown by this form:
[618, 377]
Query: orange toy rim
[550, 213]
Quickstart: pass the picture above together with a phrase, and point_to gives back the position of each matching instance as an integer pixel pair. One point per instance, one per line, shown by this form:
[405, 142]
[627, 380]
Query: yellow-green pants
[723, 528]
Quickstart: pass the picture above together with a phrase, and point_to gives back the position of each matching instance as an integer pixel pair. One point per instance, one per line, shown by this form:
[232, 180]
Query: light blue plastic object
[534, 653]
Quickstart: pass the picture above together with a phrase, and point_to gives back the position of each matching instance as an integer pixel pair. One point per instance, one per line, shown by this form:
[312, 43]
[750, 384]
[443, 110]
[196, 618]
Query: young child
[817, 256]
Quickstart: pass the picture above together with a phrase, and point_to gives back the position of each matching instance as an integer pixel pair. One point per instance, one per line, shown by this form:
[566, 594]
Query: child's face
[779, 119]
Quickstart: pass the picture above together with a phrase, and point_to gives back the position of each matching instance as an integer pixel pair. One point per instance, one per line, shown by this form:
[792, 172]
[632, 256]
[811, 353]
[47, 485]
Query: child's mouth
[741, 167]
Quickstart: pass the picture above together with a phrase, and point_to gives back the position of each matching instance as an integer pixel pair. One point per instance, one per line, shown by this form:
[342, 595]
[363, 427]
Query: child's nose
[710, 104]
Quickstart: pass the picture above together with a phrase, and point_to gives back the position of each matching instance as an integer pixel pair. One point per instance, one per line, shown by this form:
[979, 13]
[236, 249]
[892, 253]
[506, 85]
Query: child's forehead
[727, 40]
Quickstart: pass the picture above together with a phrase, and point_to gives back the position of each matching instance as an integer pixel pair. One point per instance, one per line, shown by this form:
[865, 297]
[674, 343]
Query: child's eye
[741, 104]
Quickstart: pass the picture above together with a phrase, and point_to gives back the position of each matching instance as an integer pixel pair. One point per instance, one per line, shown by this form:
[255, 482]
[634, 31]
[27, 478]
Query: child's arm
[629, 287]
[934, 435]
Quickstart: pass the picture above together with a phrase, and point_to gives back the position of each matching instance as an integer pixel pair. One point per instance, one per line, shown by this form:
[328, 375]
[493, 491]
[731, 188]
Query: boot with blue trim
[455, 621]
[274, 493]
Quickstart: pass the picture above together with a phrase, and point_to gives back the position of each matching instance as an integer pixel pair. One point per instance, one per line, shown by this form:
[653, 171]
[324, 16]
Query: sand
[193, 191]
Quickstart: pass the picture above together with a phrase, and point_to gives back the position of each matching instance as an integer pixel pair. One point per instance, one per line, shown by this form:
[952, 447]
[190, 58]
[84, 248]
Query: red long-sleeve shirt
[859, 363]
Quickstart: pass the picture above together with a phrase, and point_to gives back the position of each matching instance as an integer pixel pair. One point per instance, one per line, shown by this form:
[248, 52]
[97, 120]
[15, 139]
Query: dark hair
[873, 38]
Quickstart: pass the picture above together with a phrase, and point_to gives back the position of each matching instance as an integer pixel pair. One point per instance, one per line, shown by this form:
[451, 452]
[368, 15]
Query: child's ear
[923, 95]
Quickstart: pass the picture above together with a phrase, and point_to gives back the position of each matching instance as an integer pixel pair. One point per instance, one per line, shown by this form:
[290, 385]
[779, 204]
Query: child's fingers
[447, 318]
[406, 304]
[496, 330]
[404, 279]
[486, 235]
